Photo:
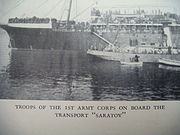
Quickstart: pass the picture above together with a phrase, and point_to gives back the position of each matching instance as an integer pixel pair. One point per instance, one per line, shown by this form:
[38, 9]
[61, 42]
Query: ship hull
[42, 38]
[45, 38]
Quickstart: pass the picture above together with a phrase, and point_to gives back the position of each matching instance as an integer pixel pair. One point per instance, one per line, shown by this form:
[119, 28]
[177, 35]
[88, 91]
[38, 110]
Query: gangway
[105, 40]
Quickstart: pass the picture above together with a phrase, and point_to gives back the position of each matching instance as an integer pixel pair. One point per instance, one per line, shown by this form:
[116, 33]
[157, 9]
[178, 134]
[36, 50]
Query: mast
[69, 12]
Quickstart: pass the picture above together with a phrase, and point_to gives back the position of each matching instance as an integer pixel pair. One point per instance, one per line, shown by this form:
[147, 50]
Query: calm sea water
[73, 75]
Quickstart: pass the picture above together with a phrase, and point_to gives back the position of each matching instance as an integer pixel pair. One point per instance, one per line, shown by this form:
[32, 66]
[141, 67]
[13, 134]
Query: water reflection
[45, 74]
[114, 82]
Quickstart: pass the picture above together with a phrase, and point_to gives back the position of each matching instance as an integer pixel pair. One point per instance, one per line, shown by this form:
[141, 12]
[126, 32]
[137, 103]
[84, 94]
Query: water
[73, 75]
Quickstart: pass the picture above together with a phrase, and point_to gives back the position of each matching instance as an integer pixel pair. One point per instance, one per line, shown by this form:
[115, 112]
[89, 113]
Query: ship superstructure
[151, 36]
[137, 28]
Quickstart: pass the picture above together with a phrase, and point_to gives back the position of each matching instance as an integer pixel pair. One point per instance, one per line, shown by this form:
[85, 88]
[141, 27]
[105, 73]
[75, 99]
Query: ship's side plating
[41, 38]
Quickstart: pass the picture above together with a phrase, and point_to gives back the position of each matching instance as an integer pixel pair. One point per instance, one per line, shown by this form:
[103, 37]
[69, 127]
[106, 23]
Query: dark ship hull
[42, 38]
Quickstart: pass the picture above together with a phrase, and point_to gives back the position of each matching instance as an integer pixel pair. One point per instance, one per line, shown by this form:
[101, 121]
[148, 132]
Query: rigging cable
[40, 5]
[63, 11]
[18, 3]
[85, 10]
[54, 7]
[76, 8]
[116, 37]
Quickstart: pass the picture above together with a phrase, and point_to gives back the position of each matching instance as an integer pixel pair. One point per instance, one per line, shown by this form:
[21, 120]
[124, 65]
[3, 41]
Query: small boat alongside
[132, 63]
[169, 62]
[172, 68]
[111, 56]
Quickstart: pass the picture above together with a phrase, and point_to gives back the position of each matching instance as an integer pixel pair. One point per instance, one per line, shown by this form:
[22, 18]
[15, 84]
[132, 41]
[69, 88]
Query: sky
[80, 8]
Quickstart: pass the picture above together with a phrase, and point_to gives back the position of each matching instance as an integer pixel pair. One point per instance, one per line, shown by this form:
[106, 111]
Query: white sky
[58, 8]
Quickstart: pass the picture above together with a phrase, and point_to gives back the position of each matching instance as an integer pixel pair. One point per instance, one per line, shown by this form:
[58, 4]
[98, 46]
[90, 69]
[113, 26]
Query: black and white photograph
[90, 50]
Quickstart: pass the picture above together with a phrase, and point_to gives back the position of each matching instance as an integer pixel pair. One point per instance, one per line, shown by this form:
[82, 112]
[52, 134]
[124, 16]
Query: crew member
[136, 58]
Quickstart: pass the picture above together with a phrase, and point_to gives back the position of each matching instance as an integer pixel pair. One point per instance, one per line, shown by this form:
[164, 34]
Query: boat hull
[132, 63]
[169, 62]
[115, 56]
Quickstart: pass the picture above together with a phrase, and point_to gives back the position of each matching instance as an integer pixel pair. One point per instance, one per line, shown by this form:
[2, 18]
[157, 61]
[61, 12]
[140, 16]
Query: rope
[86, 9]
[116, 35]
[63, 11]
[54, 7]
[83, 11]
[18, 3]
[39, 6]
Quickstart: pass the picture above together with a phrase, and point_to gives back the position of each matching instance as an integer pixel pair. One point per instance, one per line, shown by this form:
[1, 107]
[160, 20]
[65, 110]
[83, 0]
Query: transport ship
[109, 30]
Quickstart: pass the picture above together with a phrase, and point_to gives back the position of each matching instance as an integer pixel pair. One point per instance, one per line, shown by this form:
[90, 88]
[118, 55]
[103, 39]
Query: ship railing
[30, 20]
